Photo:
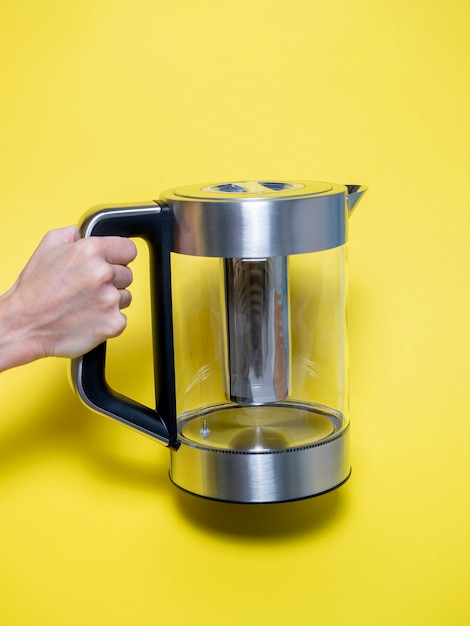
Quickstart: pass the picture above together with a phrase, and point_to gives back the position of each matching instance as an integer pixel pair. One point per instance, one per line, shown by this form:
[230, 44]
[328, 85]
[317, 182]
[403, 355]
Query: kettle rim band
[258, 228]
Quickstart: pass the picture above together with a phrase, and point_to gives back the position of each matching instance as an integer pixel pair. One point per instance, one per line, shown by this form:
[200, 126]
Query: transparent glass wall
[317, 292]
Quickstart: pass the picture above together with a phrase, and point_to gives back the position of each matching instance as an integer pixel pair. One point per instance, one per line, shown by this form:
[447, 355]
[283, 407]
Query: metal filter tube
[257, 335]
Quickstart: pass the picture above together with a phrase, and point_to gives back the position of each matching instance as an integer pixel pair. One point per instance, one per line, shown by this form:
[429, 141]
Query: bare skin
[67, 299]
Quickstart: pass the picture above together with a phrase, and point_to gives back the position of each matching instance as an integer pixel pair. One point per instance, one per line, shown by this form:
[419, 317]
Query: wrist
[18, 345]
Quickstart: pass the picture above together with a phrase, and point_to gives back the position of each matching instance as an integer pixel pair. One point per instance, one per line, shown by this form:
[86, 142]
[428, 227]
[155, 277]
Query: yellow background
[109, 101]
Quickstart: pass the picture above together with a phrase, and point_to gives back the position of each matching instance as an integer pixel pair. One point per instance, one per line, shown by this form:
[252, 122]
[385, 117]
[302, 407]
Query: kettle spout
[355, 193]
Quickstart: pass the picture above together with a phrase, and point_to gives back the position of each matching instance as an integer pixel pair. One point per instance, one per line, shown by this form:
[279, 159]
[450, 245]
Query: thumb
[60, 236]
[69, 234]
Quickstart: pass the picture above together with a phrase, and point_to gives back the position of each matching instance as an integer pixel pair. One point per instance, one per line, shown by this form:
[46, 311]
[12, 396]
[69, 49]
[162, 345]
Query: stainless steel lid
[258, 219]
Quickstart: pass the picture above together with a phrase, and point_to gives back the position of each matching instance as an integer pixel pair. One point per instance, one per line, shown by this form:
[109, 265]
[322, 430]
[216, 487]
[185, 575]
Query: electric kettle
[249, 317]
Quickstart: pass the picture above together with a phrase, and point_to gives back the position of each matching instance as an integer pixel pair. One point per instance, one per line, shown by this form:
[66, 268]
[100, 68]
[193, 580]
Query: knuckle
[117, 325]
[110, 298]
[91, 246]
[103, 273]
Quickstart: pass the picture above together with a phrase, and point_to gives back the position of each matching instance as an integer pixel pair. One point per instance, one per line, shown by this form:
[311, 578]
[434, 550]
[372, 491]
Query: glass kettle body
[249, 305]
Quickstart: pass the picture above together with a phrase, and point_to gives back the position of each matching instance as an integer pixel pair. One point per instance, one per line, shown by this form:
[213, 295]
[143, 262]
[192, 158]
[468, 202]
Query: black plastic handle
[152, 223]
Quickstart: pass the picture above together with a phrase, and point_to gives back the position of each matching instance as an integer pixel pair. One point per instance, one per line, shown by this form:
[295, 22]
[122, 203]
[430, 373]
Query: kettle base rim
[265, 477]
[263, 502]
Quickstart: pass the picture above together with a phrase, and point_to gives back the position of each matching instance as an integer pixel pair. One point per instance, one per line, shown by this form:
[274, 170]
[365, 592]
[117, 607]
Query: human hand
[68, 298]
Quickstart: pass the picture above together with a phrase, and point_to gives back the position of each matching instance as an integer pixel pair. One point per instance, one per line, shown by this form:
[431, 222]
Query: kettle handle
[151, 221]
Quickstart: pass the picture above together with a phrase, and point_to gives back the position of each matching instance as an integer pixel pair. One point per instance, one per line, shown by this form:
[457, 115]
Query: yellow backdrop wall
[112, 101]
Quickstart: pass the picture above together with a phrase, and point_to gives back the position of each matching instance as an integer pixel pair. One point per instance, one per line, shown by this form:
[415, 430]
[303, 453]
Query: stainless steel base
[250, 455]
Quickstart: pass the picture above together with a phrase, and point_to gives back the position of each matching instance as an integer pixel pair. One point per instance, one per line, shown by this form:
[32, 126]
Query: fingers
[122, 279]
[122, 276]
[125, 298]
[118, 250]
[110, 256]
[115, 250]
